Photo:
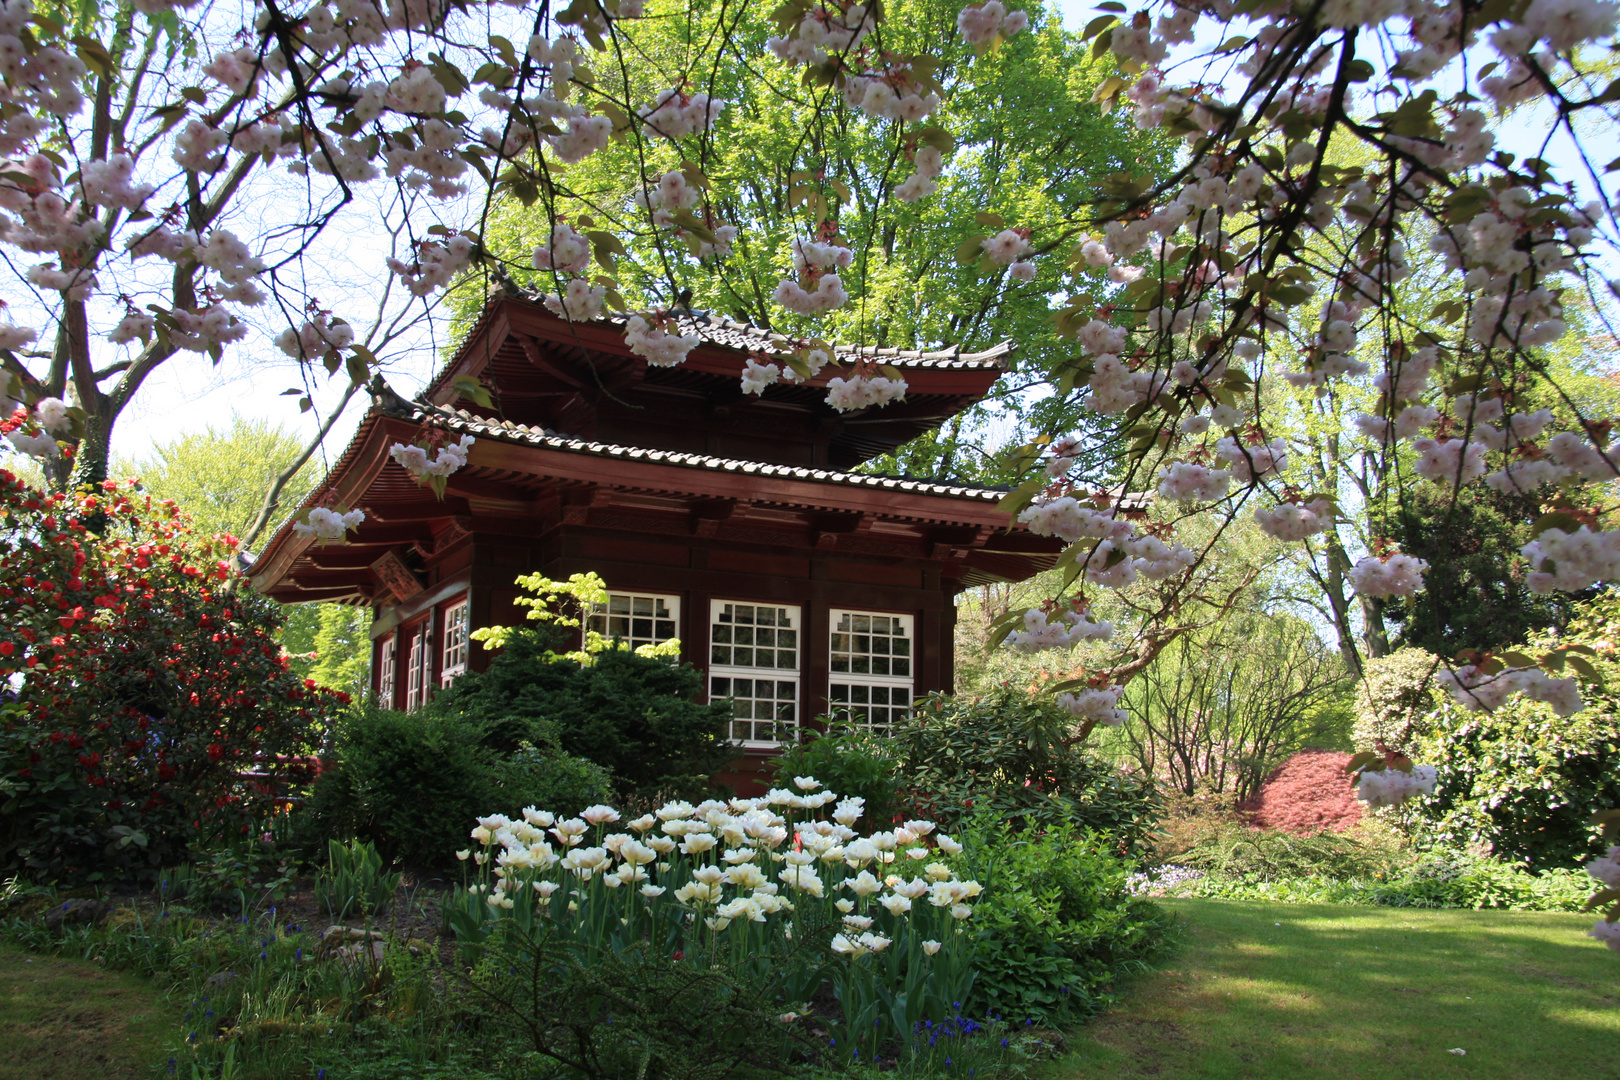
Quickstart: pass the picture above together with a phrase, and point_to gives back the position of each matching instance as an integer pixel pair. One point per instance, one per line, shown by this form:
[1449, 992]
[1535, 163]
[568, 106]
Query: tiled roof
[734, 334]
[505, 431]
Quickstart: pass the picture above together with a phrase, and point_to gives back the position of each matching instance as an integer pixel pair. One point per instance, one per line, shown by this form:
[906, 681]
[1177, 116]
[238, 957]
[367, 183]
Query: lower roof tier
[528, 482]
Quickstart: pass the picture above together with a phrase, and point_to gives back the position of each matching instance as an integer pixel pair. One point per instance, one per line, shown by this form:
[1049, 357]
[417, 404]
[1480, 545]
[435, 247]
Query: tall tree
[1030, 150]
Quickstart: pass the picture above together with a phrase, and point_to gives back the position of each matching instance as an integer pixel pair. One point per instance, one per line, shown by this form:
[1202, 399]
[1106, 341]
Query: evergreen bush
[635, 716]
[408, 782]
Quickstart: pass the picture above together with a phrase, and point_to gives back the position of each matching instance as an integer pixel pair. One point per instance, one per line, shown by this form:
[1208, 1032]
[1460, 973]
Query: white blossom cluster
[435, 265]
[724, 866]
[863, 391]
[318, 336]
[327, 524]
[672, 194]
[980, 24]
[818, 287]
[1073, 627]
[1606, 869]
[567, 253]
[675, 115]
[1473, 689]
[415, 460]
[1391, 786]
[1387, 576]
[822, 31]
[662, 347]
[1292, 522]
[50, 421]
[1099, 706]
[1561, 561]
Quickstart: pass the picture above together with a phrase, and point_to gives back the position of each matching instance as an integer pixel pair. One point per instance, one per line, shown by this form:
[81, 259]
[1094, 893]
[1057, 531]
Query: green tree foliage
[1395, 699]
[219, 477]
[1474, 595]
[1031, 150]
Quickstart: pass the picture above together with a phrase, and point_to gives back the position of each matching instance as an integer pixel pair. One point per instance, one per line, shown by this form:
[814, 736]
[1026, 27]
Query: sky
[186, 396]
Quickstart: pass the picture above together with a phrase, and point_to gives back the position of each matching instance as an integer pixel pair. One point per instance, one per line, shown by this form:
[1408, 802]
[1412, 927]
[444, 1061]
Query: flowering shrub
[154, 711]
[744, 884]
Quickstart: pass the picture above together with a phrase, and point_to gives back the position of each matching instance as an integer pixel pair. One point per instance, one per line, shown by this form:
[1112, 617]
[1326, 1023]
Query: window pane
[636, 619]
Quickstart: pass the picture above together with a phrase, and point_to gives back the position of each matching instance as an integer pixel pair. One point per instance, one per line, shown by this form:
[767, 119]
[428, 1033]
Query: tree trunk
[93, 456]
[1338, 569]
[1373, 633]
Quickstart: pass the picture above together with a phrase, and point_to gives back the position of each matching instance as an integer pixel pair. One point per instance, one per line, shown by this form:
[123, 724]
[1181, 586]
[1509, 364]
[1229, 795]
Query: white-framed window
[385, 670]
[754, 655]
[454, 660]
[638, 619]
[871, 665]
[418, 662]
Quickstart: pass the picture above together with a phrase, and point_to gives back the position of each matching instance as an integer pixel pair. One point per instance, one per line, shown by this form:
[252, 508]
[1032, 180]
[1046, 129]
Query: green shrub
[1522, 779]
[353, 881]
[1265, 855]
[1056, 923]
[411, 783]
[1009, 754]
[636, 716]
[1440, 881]
[850, 760]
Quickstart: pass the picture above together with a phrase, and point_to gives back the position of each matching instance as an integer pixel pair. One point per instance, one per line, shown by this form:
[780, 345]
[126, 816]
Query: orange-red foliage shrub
[1308, 793]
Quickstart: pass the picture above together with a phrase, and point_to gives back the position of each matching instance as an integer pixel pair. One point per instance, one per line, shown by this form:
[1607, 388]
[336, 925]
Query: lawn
[69, 1020]
[1296, 992]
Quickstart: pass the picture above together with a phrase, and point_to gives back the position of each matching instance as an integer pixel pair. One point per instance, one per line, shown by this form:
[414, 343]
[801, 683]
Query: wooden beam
[531, 351]
[423, 510]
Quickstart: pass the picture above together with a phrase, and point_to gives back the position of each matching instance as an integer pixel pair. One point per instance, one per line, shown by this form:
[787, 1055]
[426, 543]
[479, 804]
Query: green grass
[68, 1020]
[1296, 992]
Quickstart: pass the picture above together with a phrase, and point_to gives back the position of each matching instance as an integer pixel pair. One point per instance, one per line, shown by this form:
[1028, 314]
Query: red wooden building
[731, 522]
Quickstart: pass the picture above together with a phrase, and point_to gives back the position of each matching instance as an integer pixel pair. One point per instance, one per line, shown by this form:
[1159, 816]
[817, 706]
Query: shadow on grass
[69, 1020]
[1281, 991]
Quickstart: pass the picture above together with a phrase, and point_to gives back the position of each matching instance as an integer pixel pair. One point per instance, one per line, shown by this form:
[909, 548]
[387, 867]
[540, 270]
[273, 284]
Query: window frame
[419, 664]
[387, 669]
[755, 673]
[452, 666]
[850, 679]
[671, 600]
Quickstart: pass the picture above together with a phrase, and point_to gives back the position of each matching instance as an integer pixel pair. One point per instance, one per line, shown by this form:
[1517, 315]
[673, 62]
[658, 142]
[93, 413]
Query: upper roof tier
[582, 378]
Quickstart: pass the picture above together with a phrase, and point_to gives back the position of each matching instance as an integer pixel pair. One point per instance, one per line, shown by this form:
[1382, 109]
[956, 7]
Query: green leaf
[989, 220]
[473, 389]
[969, 250]
[194, 94]
[1584, 669]
[1557, 519]
[1362, 760]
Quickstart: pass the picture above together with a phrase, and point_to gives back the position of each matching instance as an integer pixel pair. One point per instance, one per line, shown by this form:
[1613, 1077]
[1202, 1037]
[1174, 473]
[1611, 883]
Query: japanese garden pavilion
[729, 521]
